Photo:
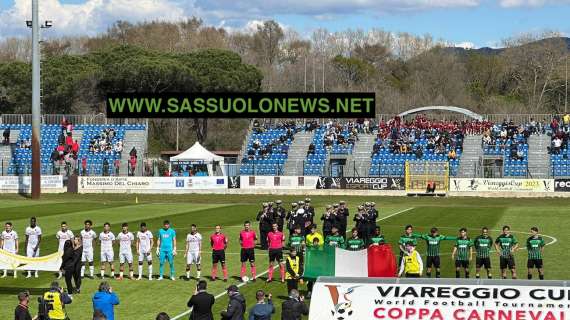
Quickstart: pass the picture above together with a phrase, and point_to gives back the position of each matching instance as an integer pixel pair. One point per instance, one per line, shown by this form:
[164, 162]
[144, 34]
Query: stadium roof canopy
[464, 111]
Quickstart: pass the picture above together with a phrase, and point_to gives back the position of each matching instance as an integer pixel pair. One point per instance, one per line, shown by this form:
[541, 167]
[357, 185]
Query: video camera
[44, 307]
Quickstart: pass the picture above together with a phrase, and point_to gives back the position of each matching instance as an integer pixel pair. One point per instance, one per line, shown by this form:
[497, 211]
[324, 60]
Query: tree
[532, 68]
[353, 71]
[266, 45]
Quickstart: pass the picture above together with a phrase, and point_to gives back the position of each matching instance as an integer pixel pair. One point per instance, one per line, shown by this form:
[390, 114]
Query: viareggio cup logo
[342, 303]
[234, 182]
[179, 183]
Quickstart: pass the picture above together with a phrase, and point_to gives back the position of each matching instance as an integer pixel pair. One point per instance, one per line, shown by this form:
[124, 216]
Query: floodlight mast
[36, 116]
[36, 99]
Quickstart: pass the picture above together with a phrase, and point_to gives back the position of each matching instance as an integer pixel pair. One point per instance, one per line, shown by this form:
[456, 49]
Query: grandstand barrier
[450, 299]
[149, 184]
[502, 185]
[361, 183]
[278, 182]
[22, 184]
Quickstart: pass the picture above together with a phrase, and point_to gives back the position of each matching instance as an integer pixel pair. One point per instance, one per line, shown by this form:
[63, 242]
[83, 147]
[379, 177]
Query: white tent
[198, 154]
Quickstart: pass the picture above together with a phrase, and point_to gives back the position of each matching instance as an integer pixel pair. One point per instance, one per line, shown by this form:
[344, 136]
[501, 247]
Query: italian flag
[376, 261]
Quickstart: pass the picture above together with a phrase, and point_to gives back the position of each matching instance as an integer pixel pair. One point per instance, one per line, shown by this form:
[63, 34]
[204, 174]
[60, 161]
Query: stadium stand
[559, 130]
[332, 138]
[420, 139]
[88, 137]
[510, 141]
[267, 148]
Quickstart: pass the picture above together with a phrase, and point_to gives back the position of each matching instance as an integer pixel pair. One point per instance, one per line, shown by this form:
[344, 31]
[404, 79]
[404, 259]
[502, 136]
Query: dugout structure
[419, 174]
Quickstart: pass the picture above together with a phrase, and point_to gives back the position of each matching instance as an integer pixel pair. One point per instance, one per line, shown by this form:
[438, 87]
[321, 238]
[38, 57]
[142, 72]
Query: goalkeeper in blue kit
[166, 248]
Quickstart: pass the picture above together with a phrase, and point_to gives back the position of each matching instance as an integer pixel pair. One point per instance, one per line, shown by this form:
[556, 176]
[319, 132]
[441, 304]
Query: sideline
[241, 284]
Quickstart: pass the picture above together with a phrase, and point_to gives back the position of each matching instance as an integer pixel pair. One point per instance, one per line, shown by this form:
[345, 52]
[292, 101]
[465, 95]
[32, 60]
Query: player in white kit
[33, 239]
[107, 239]
[62, 236]
[125, 239]
[9, 242]
[192, 253]
[88, 237]
[145, 242]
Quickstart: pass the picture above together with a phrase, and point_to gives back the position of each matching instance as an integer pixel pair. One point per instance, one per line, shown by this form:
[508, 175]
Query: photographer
[295, 307]
[53, 303]
[262, 310]
[105, 300]
[202, 303]
[21, 312]
[236, 306]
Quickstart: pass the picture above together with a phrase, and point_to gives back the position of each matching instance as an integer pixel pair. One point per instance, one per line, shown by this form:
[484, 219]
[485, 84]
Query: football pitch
[144, 299]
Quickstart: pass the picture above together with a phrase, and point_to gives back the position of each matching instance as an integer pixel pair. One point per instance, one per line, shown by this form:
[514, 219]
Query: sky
[470, 23]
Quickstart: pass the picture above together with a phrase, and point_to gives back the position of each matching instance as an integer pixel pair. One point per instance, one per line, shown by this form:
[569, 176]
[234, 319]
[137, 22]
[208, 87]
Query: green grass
[144, 299]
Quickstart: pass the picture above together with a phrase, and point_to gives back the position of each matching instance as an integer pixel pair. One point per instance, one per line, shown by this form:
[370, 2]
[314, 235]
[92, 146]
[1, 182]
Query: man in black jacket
[202, 303]
[342, 218]
[236, 306]
[265, 218]
[295, 307]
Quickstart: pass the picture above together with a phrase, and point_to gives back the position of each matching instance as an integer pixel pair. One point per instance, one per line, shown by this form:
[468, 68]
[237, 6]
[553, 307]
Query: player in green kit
[483, 244]
[506, 245]
[433, 242]
[297, 240]
[462, 253]
[378, 237]
[535, 247]
[355, 243]
[407, 237]
[335, 239]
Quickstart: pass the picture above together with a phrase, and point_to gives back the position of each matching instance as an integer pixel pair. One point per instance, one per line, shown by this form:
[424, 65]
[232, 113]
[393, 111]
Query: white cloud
[93, 16]
[465, 45]
[530, 3]
[321, 8]
[90, 17]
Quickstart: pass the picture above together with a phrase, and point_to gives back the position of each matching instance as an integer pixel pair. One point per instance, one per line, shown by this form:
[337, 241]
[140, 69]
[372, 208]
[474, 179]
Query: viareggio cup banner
[361, 183]
[445, 299]
[133, 184]
[510, 185]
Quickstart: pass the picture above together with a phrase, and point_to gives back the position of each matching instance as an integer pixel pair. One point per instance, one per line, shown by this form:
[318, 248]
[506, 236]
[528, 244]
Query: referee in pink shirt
[219, 243]
[247, 238]
[275, 239]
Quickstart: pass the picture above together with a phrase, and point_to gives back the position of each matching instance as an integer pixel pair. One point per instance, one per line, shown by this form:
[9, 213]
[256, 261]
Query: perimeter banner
[23, 183]
[130, 184]
[361, 183]
[510, 185]
[278, 182]
[562, 185]
[444, 299]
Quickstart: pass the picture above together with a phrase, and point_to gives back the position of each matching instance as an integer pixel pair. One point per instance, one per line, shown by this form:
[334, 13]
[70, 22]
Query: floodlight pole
[36, 161]
[566, 85]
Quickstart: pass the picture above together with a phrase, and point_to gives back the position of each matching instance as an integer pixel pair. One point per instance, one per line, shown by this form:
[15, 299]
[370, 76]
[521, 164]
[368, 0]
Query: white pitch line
[221, 294]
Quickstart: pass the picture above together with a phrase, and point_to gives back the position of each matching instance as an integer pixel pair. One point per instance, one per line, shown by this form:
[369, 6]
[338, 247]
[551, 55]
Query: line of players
[9, 241]
[505, 245]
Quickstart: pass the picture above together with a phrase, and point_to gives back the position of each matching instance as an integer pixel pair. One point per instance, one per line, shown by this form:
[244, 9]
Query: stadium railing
[99, 118]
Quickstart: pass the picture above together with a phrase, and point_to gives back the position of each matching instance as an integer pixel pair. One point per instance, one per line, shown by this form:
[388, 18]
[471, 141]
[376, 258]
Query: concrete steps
[359, 162]
[538, 157]
[297, 154]
[137, 139]
[471, 156]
